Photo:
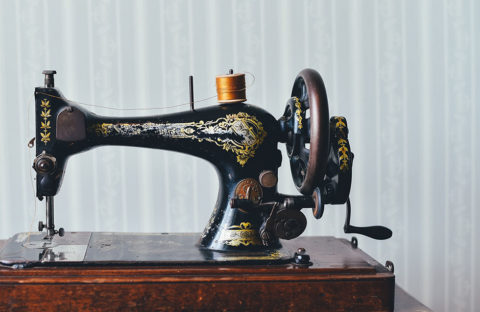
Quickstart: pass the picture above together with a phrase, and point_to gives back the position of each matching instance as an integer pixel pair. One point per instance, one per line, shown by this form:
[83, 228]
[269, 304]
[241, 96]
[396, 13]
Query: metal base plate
[103, 248]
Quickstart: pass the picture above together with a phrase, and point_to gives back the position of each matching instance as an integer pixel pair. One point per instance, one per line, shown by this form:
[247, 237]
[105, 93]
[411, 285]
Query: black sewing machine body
[240, 140]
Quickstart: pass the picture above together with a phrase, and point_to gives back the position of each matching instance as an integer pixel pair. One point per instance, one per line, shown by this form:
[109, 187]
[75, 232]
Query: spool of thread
[231, 88]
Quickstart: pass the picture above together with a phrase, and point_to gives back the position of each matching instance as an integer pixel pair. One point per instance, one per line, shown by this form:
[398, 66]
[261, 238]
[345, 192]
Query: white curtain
[404, 73]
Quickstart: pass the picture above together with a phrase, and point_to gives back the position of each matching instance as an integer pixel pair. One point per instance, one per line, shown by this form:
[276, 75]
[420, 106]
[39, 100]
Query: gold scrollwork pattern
[45, 125]
[239, 133]
[298, 112]
[342, 143]
[243, 234]
[274, 255]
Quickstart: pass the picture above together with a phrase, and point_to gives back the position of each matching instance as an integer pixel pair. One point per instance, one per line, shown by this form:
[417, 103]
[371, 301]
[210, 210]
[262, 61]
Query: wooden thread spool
[231, 88]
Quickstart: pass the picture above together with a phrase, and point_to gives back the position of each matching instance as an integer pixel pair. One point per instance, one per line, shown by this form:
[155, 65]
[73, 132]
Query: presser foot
[50, 231]
[50, 225]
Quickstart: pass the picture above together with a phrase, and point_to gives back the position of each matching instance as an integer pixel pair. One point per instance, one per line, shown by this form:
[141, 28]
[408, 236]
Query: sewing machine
[250, 255]
[250, 218]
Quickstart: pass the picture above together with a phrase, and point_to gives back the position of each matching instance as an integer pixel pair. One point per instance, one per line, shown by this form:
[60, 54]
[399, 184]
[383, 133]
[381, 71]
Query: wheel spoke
[304, 97]
[306, 130]
[299, 168]
[305, 103]
[304, 155]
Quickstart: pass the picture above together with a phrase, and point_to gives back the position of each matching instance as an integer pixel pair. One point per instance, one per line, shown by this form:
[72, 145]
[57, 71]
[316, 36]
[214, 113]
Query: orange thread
[231, 88]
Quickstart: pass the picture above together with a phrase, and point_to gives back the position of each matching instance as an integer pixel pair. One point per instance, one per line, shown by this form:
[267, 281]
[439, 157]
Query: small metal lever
[31, 143]
[267, 230]
[289, 202]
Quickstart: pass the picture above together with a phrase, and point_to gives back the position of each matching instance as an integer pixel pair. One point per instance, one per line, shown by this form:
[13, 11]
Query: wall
[404, 73]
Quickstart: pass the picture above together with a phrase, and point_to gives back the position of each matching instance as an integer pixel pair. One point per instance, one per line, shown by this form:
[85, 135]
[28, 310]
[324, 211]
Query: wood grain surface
[341, 279]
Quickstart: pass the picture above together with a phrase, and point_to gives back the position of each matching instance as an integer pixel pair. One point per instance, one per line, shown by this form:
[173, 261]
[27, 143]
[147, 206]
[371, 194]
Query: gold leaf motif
[45, 125]
[343, 149]
[45, 113]
[344, 165]
[340, 123]
[298, 113]
[242, 226]
[45, 137]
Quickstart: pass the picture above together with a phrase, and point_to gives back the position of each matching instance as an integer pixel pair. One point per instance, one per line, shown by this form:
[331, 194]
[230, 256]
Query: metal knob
[49, 80]
[44, 163]
[301, 258]
[289, 223]
[268, 178]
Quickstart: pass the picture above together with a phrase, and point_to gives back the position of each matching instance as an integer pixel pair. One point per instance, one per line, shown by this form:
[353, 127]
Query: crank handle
[375, 232]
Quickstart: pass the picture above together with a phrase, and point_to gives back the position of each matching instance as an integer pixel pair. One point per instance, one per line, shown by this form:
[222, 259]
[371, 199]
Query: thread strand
[124, 109]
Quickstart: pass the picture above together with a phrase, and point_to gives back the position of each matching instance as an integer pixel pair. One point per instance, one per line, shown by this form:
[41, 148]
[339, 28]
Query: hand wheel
[306, 123]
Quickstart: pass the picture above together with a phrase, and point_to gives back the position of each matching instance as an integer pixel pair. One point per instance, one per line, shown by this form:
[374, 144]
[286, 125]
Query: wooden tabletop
[403, 301]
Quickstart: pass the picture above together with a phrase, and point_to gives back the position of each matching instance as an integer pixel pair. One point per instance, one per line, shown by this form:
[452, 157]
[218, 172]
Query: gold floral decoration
[243, 234]
[298, 113]
[239, 133]
[343, 149]
[45, 124]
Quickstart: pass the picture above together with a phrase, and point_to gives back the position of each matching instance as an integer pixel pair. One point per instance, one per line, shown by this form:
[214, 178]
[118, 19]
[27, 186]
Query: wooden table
[320, 287]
